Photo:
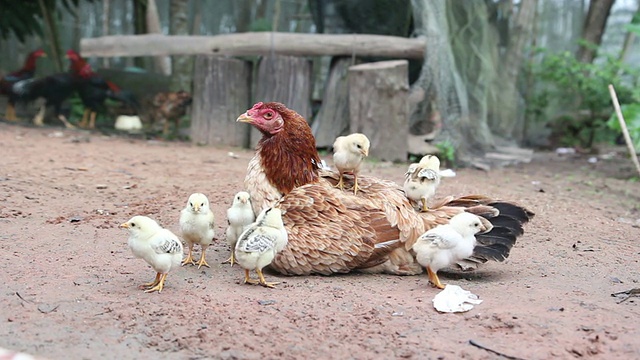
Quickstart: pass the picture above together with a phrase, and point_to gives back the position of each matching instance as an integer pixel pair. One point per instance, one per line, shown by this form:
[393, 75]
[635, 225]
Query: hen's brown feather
[334, 231]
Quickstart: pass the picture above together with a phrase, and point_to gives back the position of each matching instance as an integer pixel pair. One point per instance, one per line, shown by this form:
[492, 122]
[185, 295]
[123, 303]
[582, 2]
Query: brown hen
[334, 231]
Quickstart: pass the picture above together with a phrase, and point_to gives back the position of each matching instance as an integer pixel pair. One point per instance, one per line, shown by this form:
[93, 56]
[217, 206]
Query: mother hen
[334, 231]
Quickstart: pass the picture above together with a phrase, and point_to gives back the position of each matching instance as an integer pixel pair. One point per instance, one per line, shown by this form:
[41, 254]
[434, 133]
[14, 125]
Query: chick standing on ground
[159, 247]
[422, 180]
[446, 244]
[239, 215]
[197, 226]
[259, 244]
[348, 153]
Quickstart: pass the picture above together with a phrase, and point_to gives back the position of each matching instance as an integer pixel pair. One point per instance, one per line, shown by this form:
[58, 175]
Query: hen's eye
[268, 115]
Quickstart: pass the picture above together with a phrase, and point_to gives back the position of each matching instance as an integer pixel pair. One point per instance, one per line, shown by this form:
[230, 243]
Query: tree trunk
[439, 91]
[285, 79]
[106, 18]
[221, 92]
[378, 107]
[511, 115]
[333, 118]
[162, 63]
[593, 29]
[629, 37]
[182, 71]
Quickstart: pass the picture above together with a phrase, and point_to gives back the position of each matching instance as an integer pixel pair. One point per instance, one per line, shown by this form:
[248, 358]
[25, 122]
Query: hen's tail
[124, 96]
[507, 219]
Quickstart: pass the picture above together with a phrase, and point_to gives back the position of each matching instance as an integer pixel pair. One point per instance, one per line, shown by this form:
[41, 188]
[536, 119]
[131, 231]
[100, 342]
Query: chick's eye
[191, 204]
[359, 146]
[201, 205]
[133, 224]
[268, 115]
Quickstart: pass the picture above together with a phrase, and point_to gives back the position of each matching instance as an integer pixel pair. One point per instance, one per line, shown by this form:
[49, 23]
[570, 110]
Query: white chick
[348, 153]
[443, 245]
[197, 226]
[159, 247]
[422, 180]
[239, 215]
[258, 245]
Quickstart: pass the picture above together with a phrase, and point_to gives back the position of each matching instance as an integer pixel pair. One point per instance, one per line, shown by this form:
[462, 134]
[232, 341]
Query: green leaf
[631, 114]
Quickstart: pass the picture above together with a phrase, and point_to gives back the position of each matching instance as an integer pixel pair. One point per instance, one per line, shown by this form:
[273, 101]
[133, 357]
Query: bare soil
[69, 284]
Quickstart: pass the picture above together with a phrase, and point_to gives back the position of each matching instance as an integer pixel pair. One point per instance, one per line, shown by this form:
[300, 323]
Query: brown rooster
[169, 106]
[334, 231]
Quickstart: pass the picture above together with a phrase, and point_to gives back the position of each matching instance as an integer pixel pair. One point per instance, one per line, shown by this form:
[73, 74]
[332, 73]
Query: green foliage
[582, 88]
[24, 18]
[631, 114]
[447, 152]
[261, 25]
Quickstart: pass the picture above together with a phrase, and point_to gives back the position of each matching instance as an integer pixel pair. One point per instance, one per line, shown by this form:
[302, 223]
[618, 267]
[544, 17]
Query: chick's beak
[124, 225]
[485, 225]
[244, 201]
[245, 118]
[196, 208]
[364, 152]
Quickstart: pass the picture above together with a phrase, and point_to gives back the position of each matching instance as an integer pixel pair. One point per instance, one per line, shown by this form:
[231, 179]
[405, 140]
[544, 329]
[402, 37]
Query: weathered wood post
[285, 79]
[333, 118]
[222, 91]
[378, 107]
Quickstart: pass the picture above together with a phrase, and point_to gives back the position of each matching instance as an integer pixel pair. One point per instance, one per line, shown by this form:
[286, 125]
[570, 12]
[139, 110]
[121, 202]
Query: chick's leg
[232, 258]
[433, 277]
[340, 184]
[203, 261]
[66, 123]
[424, 204]
[38, 120]
[248, 279]
[355, 184]
[159, 286]
[154, 282]
[189, 259]
[264, 282]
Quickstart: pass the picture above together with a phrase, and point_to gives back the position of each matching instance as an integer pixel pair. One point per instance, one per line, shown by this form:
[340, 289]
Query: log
[333, 118]
[222, 91]
[255, 43]
[379, 107]
[285, 79]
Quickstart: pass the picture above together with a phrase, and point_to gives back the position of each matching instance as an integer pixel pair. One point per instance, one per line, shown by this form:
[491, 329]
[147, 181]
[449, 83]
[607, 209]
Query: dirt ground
[69, 282]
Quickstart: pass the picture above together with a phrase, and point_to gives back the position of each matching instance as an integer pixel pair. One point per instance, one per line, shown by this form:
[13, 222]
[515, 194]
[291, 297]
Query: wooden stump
[222, 88]
[378, 107]
[285, 79]
[333, 118]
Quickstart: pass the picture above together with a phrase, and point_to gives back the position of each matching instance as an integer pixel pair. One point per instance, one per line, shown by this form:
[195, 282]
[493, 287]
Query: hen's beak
[244, 118]
[124, 226]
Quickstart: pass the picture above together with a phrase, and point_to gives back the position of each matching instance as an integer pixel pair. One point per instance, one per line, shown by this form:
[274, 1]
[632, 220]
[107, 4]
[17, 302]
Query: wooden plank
[221, 92]
[285, 79]
[379, 107]
[255, 43]
[333, 118]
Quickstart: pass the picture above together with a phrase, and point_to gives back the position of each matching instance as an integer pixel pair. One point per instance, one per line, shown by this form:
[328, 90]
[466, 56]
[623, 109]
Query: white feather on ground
[197, 227]
[159, 247]
[259, 244]
[239, 215]
[446, 244]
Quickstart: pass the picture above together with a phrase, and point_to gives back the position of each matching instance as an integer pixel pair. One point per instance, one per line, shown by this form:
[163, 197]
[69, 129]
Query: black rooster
[25, 73]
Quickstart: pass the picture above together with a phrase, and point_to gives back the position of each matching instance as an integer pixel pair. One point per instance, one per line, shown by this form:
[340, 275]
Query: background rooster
[93, 90]
[54, 89]
[334, 231]
[25, 73]
[169, 107]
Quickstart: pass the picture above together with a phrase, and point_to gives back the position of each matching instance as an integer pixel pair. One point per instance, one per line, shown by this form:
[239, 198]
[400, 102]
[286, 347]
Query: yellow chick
[197, 226]
[348, 153]
[159, 247]
[259, 244]
[446, 244]
[422, 180]
[239, 215]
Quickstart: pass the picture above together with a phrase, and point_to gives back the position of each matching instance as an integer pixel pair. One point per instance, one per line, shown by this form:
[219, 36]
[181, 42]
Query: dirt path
[69, 282]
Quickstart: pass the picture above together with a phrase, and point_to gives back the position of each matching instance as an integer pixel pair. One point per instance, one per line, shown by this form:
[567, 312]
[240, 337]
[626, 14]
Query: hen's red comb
[257, 106]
